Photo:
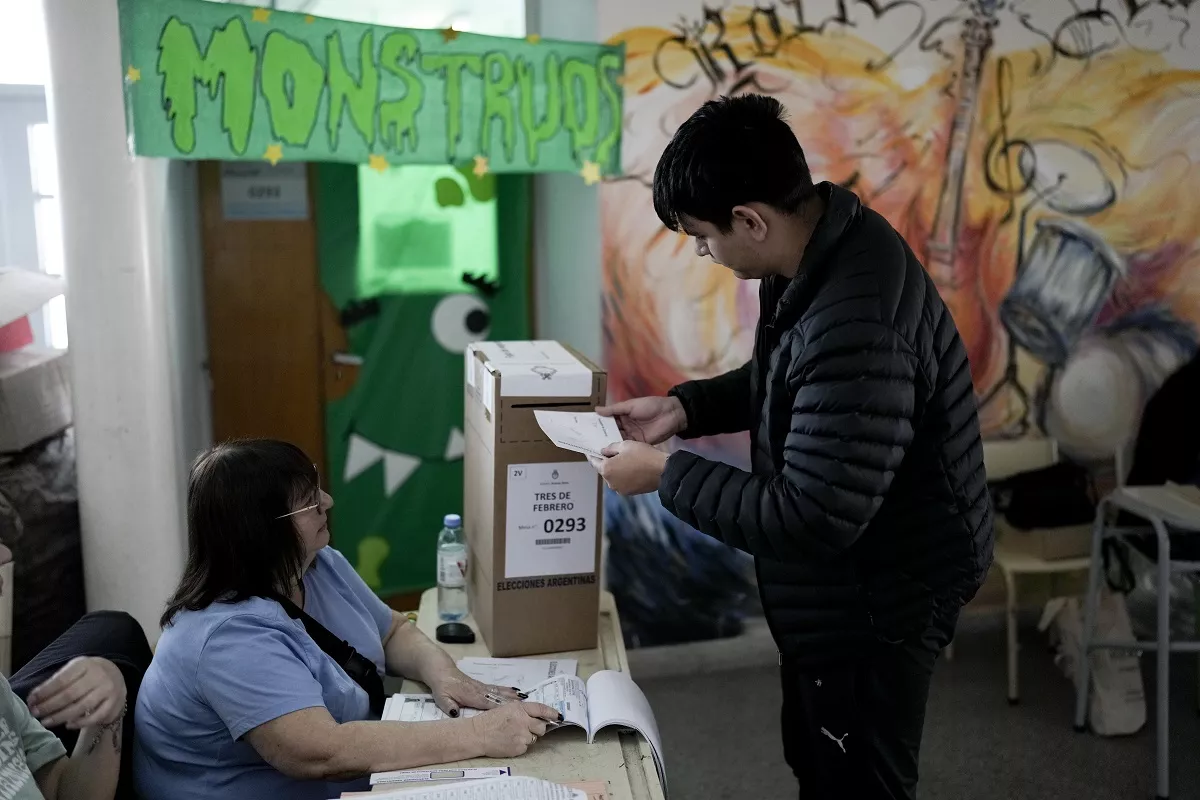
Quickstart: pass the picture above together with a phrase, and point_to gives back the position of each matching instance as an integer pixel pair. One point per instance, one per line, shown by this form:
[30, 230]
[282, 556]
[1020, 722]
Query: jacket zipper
[766, 613]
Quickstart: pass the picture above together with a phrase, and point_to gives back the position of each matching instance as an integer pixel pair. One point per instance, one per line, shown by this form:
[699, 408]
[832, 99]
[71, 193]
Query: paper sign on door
[551, 520]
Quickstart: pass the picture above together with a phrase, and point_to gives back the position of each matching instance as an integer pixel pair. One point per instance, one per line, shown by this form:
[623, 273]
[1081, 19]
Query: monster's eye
[458, 320]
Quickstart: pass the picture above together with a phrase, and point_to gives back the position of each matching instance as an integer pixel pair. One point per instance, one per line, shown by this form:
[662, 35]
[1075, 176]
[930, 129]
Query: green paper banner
[239, 83]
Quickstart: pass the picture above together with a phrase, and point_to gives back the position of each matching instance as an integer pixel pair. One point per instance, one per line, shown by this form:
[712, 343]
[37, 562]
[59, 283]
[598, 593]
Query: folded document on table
[515, 788]
[608, 698]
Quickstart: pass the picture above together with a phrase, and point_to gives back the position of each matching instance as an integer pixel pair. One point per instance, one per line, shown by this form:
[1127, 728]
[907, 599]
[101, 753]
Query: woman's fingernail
[454, 712]
[522, 695]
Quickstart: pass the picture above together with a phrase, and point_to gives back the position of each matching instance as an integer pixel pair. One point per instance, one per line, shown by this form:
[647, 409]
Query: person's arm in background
[87, 694]
[716, 405]
[91, 772]
[852, 422]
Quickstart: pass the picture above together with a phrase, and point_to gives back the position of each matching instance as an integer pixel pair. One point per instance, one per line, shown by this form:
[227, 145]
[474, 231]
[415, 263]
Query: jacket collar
[842, 211]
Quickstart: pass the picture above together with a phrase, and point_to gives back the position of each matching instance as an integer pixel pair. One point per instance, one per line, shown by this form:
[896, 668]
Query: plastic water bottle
[452, 570]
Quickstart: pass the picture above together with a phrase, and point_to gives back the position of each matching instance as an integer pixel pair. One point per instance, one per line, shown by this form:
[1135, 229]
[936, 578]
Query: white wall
[566, 235]
[132, 266]
[184, 284]
[23, 56]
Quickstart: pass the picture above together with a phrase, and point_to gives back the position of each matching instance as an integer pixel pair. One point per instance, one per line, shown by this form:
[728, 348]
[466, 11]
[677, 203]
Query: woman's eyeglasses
[307, 508]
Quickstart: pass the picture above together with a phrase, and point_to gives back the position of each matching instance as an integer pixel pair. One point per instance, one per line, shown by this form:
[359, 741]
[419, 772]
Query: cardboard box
[533, 512]
[35, 397]
[1051, 544]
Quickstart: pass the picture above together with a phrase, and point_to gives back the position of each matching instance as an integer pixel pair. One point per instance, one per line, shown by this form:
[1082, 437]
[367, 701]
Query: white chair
[1166, 508]
[1003, 459]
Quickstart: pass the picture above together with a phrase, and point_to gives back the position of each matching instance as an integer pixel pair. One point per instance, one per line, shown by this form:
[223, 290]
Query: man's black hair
[732, 151]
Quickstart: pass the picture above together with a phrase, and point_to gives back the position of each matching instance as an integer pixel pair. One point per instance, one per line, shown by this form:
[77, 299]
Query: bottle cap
[452, 521]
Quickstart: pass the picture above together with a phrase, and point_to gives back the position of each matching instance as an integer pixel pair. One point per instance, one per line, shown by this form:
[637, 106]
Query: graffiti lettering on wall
[1042, 157]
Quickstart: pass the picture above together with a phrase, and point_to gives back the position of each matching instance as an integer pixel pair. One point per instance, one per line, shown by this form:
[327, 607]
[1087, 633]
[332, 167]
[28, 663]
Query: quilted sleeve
[716, 405]
[852, 421]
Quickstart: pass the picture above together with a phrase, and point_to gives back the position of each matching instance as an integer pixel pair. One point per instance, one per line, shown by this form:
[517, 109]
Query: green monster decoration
[421, 261]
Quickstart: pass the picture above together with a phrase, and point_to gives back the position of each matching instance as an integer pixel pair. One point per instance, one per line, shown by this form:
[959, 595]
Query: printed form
[580, 432]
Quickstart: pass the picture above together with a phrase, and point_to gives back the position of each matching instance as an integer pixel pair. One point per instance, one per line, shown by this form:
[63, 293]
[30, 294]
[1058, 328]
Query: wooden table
[623, 760]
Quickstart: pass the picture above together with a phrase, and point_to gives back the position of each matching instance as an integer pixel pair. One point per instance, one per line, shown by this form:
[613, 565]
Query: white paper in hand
[580, 432]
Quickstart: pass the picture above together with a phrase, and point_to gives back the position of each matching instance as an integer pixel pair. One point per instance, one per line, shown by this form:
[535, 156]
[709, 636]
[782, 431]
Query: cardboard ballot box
[532, 512]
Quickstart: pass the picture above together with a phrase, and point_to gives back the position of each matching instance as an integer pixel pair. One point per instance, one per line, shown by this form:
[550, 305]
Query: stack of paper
[517, 673]
[417, 708]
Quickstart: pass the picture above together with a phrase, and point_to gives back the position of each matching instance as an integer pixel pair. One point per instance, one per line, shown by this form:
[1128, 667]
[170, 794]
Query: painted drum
[1064, 280]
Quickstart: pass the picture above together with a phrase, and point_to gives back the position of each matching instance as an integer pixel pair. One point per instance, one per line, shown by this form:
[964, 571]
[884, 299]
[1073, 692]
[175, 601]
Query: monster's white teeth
[364, 454]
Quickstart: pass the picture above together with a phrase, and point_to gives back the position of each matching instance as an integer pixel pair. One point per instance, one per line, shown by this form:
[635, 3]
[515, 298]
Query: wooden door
[264, 310]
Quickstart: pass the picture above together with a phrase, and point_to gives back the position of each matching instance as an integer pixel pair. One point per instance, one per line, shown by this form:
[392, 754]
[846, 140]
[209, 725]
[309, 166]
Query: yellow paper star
[481, 166]
[590, 172]
[274, 154]
[449, 34]
[261, 15]
[378, 163]
[309, 19]
[133, 74]
[533, 38]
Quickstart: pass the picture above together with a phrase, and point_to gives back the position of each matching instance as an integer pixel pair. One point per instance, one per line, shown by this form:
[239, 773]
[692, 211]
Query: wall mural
[1040, 156]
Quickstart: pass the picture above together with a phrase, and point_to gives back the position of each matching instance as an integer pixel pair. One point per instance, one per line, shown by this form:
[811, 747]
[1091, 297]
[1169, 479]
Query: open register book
[608, 698]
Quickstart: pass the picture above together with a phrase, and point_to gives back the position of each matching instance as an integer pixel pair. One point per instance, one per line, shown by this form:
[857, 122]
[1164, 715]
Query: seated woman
[241, 701]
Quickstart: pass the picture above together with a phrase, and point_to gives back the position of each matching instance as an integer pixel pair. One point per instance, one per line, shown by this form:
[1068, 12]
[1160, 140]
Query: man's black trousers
[855, 730]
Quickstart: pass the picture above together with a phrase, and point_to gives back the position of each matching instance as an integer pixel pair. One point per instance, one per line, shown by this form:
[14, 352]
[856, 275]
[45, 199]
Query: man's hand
[652, 420]
[632, 467]
[85, 693]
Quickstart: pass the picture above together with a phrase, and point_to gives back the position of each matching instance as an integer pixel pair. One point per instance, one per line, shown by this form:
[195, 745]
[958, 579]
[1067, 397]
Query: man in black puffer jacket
[866, 507]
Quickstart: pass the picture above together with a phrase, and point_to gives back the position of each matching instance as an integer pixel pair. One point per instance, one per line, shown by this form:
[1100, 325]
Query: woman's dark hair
[238, 547]
[732, 151]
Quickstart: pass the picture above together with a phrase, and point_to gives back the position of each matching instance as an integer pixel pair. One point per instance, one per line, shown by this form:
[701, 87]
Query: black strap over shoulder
[360, 668]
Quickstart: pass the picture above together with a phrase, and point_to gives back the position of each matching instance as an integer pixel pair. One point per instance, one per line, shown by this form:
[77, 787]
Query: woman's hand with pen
[510, 729]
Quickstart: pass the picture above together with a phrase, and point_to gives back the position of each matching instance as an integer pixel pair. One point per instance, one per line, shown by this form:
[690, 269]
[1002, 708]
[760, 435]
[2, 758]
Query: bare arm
[87, 694]
[311, 745]
[411, 653]
[92, 770]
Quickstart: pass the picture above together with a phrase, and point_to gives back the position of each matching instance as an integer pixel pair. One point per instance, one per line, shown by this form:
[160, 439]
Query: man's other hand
[652, 420]
[632, 467]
